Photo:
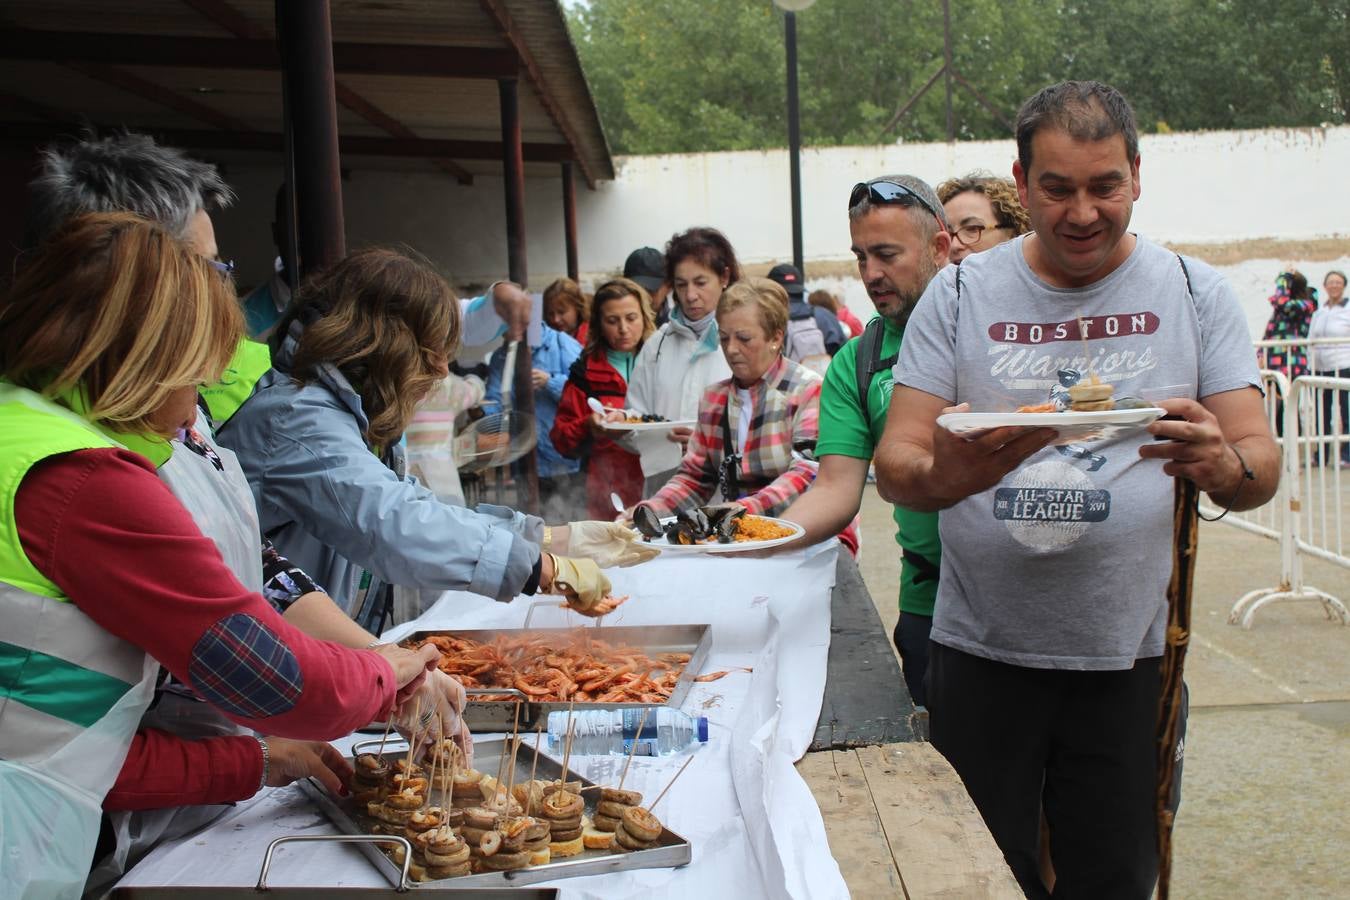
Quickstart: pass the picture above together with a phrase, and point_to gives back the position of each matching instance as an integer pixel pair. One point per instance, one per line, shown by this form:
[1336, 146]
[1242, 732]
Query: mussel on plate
[693, 525]
[648, 522]
[697, 520]
[727, 523]
[682, 532]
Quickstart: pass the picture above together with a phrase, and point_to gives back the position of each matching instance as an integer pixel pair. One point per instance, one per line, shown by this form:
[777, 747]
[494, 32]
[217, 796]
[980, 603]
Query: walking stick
[1185, 524]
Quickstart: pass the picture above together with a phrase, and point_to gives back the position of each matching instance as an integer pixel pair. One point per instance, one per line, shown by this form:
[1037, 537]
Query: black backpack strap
[577, 375]
[868, 345]
[729, 476]
[925, 568]
[1190, 291]
[869, 362]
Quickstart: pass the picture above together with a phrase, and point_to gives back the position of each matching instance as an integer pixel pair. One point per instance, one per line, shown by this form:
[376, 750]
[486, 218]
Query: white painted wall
[1202, 187]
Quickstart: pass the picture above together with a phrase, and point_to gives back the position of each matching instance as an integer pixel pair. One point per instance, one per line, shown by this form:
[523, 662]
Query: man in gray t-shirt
[1044, 676]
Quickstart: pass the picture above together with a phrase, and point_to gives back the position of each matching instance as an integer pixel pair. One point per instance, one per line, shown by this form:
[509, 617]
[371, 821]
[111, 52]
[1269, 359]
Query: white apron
[221, 504]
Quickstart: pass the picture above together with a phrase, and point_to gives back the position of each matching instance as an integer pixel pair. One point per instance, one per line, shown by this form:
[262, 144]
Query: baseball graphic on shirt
[1048, 506]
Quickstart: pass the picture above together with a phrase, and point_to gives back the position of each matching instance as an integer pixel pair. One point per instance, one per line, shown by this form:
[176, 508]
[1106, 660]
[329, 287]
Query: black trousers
[911, 639]
[1079, 744]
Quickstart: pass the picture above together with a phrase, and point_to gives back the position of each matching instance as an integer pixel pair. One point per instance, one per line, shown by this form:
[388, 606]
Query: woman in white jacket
[679, 362]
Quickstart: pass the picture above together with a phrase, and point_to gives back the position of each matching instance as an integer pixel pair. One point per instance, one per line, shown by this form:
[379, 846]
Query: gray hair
[124, 172]
[928, 221]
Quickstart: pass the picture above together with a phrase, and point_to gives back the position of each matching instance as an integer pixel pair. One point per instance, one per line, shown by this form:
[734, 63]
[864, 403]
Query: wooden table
[866, 702]
[898, 819]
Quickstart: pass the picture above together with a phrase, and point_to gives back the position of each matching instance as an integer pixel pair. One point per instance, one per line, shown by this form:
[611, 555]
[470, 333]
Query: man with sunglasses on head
[900, 239]
[1044, 669]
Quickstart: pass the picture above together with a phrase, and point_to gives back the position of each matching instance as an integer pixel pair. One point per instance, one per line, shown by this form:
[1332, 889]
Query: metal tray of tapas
[318, 891]
[652, 646]
[669, 850]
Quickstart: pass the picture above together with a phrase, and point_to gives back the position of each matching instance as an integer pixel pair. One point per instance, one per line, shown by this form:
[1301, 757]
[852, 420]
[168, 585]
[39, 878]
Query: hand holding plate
[1194, 447]
[972, 463]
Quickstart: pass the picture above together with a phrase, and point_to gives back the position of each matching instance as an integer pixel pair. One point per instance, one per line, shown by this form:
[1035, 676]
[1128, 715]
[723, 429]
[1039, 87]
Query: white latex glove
[608, 544]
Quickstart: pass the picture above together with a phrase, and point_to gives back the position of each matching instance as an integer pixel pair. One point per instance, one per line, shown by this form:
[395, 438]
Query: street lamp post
[791, 8]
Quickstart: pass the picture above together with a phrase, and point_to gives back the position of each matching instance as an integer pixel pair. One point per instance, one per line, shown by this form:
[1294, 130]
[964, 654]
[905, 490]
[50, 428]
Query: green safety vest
[71, 693]
[250, 362]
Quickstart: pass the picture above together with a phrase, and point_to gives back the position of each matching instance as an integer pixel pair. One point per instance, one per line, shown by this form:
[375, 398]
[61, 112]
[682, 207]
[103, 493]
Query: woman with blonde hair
[621, 322]
[105, 336]
[757, 429]
[319, 442]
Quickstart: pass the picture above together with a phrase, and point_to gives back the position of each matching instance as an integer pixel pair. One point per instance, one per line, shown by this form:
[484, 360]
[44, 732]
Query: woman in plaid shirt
[756, 429]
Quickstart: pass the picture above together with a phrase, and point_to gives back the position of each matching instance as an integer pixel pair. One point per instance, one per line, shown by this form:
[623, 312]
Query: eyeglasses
[970, 235]
[888, 192]
[224, 267]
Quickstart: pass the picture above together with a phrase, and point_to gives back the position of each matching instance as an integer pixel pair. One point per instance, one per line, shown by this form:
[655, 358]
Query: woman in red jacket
[621, 319]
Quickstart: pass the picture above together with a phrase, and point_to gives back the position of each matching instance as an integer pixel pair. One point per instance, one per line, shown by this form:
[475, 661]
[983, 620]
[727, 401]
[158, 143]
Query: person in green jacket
[900, 239]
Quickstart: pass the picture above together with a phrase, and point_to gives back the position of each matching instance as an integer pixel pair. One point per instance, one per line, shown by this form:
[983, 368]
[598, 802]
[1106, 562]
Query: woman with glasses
[757, 430]
[682, 358]
[984, 211]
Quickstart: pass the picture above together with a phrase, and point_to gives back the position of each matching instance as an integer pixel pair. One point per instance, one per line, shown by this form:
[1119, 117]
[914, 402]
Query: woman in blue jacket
[319, 443]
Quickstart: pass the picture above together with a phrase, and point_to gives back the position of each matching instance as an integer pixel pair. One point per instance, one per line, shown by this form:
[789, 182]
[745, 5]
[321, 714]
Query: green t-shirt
[845, 431]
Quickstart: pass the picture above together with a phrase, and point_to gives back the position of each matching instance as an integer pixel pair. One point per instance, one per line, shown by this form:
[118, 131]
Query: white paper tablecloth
[754, 827]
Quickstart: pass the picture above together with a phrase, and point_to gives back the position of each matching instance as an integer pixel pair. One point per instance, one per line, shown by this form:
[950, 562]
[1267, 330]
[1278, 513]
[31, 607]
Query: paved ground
[1265, 812]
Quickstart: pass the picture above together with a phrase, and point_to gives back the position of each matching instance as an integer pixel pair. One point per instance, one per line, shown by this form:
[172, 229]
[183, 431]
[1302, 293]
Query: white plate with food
[1073, 427]
[721, 530]
[633, 422]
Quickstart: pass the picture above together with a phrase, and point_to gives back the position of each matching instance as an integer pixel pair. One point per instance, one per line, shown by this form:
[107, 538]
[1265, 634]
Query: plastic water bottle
[596, 732]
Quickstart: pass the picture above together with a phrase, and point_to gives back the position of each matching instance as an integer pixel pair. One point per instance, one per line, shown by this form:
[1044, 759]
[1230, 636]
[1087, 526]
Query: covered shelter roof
[416, 80]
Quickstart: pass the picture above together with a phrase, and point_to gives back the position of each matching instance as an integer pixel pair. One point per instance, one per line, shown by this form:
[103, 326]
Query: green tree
[691, 75]
[683, 75]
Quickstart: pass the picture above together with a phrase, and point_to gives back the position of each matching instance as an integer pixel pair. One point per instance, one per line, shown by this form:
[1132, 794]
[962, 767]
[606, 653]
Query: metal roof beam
[356, 145]
[155, 93]
[415, 60]
[379, 118]
[506, 26]
[236, 23]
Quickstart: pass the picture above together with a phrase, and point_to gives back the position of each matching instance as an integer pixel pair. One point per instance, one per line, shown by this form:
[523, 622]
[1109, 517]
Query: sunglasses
[888, 192]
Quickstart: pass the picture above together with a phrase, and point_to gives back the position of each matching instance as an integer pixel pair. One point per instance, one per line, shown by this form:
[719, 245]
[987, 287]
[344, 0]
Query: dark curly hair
[707, 245]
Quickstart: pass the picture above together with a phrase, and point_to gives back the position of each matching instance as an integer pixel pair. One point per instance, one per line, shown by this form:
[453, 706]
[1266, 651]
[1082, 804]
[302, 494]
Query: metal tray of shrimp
[498, 715]
[671, 851]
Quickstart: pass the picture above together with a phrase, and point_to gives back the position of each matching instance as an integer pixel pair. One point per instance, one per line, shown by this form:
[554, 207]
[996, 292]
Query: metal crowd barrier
[1308, 515]
[1267, 520]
